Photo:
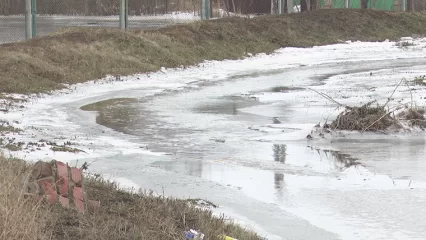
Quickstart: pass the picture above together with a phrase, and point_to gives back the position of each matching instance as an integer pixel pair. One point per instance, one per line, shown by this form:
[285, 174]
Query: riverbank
[80, 54]
[128, 158]
[122, 215]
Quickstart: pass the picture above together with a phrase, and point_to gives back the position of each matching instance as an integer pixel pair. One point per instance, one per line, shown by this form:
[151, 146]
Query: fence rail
[24, 19]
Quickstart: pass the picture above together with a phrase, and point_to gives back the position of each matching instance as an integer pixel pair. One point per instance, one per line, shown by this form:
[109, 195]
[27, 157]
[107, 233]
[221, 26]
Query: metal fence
[23, 19]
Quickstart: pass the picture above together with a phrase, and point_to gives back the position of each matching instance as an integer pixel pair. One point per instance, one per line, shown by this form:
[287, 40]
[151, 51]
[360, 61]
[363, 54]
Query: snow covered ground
[207, 132]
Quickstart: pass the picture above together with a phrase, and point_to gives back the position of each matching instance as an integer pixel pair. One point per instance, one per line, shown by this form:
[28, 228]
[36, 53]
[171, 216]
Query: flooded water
[239, 140]
[216, 137]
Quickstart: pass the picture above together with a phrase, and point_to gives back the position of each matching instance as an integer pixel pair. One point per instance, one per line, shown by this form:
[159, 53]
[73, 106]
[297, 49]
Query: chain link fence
[386, 5]
[51, 15]
[12, 22]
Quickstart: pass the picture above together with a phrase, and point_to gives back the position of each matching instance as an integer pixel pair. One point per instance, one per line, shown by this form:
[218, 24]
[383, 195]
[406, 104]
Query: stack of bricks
[56, 182]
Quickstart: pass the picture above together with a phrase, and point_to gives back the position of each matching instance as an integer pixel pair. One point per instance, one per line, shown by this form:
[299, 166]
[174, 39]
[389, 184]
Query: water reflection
[226, 105]
[285, 89]
[341, 160]
[280, 152]
[194, 168]
[279, 185]
[279, 180]
[120, 114]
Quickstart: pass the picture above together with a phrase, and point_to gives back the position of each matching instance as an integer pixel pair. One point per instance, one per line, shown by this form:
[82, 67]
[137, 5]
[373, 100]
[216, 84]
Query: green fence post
[28, 20]
[280, 7]
[34, 17]
[202, 15]
[207, 9]
[124, 14]
[121, 14]
[126, 18]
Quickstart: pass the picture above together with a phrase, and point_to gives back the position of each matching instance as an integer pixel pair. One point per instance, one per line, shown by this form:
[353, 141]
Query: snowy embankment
[45, 119]
[51, 121]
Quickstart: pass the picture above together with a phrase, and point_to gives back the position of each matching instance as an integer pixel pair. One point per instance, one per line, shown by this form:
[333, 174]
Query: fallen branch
[329, 98]
[390, 98]
[387, 113]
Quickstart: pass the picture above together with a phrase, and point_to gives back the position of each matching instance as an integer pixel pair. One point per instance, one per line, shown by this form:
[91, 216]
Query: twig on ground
[329, 98]
[390, 98]
[384, 115]
[411, 93]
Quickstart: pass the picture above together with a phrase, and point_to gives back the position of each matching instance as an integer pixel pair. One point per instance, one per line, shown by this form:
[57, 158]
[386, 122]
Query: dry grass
[8, 128]
[65, 149]
[81, 54]
[363, 118]
[122, 215]
[20, 218]
[420, 81]
[377, 118]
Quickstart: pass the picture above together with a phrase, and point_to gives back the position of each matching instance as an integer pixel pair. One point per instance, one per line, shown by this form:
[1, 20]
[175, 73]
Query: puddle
[228, 105]
[249, 145]
[285, 89]
[299, 192]
[101, 105]
[119, 114]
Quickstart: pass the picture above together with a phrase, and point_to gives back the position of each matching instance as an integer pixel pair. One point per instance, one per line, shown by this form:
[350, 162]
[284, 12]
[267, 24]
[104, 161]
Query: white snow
[56, 117]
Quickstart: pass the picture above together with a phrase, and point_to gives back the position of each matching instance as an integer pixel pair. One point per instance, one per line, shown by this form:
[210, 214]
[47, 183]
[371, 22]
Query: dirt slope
[81, 54]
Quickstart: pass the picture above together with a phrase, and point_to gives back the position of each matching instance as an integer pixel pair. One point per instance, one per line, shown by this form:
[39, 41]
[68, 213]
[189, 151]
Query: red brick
[65, 202]
[79, 205]
[77, 193]
[76, 176]
[49, 190]
[33, 188]
[62, 185]
[62, 178]
[62, 170]
[41, 170]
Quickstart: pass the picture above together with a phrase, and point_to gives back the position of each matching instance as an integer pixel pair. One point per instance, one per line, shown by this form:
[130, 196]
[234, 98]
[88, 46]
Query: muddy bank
[121, 215]
[81, 54]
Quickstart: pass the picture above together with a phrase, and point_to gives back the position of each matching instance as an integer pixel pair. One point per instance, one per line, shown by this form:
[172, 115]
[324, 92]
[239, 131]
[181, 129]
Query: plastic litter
[193, 235]
[223, 237]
